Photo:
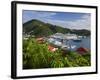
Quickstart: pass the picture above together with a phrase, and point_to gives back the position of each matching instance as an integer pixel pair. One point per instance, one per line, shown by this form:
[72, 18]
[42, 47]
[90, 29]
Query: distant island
[40, 28]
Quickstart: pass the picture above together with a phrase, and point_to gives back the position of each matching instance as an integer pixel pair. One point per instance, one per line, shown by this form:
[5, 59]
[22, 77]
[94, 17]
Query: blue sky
[70, 20]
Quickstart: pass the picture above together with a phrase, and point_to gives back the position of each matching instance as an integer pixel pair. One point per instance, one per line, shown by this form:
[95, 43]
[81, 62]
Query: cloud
[28, 15]
[83, 23]
[44, 14]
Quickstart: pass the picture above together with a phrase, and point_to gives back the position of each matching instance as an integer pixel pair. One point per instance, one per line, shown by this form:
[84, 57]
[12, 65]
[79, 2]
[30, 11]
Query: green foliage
[39, 28]
[81, 32]
[38, 56]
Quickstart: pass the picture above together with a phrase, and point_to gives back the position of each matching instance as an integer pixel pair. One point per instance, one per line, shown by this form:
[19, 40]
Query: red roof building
[82, 50]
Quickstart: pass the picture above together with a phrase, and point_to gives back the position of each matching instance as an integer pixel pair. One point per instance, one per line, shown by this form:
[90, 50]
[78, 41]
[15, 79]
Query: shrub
[37, 55]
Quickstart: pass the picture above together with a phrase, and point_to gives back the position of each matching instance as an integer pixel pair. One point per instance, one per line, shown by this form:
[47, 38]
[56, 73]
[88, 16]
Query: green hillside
[39, 28]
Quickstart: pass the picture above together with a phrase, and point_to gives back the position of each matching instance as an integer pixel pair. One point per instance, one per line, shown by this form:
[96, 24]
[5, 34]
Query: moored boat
[77, 40]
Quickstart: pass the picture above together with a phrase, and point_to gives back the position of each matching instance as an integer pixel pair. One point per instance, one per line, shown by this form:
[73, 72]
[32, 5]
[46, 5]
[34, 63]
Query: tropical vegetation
[37, 55]
[39, 28]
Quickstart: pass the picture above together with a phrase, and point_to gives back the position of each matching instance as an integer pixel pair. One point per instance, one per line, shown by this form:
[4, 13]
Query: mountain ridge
[40, 28]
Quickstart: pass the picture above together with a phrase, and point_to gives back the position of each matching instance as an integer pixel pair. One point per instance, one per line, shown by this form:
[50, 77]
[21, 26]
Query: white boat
[57, 43]
[68, 47]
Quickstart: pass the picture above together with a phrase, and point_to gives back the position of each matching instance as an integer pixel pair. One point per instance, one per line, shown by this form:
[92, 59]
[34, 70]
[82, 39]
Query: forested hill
[39, 28]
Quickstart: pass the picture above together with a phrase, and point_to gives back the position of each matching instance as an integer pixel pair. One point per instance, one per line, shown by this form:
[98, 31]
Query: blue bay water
[85, 42]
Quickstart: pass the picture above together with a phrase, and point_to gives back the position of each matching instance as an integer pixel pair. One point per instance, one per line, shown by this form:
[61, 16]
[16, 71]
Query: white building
[71, 36]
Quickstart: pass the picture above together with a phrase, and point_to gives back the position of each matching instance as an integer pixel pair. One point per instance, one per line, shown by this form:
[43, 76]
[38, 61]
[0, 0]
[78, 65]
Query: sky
[70, 20]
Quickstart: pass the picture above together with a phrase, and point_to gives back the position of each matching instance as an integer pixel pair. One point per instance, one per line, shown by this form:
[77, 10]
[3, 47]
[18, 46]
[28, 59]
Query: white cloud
[44, 15]
[83, 23]
[28, 15]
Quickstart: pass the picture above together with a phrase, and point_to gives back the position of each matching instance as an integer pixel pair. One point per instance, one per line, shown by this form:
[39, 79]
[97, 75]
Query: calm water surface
[84, 43]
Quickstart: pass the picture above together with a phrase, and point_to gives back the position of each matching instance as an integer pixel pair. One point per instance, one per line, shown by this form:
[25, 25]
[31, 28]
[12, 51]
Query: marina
[69, 41]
